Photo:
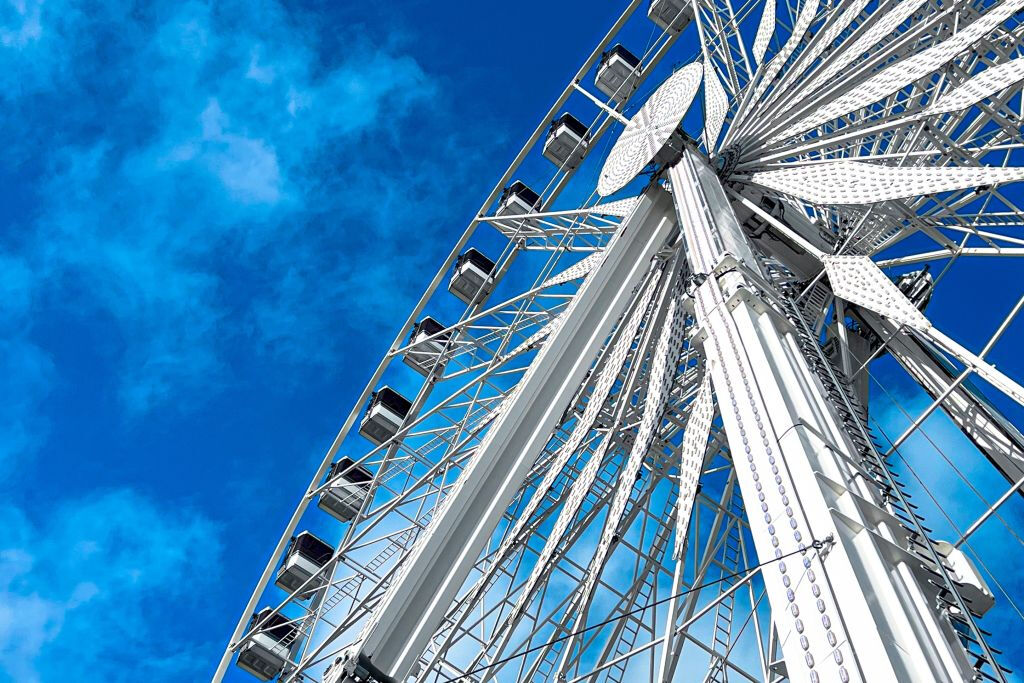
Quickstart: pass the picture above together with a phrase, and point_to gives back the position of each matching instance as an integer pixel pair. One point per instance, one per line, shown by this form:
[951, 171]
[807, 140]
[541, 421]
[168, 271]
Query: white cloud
[258, 71]
[20, 23]
[247, 167]
[93, 580]
[176, 161]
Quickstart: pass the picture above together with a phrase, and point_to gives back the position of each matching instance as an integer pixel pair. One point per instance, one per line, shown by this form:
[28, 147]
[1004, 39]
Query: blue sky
[213, 215]
[214, 218]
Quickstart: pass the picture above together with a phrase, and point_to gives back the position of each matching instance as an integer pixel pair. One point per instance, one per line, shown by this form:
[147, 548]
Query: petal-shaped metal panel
[716, 104]
[620, 207]
[649, 130]
[860, 182]
[663, 369]
[882, 27]
[824, 40]
[695, 446]
[585, 481]
[987, 83]
[576, 271]
[765, 30]
[895, 77]
[858, 280]
[766, 74]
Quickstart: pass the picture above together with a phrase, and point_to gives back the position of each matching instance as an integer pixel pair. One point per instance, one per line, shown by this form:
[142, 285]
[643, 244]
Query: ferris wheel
[624, 435]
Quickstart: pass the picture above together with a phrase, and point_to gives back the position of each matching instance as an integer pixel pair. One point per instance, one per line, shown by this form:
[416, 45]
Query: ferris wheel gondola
[658, 456]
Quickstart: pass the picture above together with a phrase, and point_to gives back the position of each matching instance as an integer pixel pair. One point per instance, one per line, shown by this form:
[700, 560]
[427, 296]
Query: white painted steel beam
[402, 625]
[993, 434]
[860, 611]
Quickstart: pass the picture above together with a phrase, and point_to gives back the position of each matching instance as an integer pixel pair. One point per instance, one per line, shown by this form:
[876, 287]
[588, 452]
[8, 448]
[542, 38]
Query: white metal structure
[654, 460]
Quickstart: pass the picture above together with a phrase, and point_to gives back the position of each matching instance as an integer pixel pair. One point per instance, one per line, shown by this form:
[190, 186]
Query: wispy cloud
[221, 186]
[24, 26]
[82, 590]
[197, 186]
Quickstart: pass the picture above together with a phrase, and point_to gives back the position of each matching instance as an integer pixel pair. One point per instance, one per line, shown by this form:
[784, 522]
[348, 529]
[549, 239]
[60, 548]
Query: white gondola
[349, 488]
[267, 653]
[567, 141]
[617, 73]
[384, 416]
[918, 286]
[674, 14]
[972, 588]
[473, 277]
[426, 344]
[517, 199]
[305, 557]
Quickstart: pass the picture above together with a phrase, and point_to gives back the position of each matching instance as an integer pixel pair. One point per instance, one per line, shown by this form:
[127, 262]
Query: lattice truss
[851, 140]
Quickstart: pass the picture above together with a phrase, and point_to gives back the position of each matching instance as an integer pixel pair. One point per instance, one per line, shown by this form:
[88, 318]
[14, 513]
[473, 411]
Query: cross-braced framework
[642, 450]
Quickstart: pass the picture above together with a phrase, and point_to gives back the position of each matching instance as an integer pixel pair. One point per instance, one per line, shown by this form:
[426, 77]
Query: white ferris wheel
[639, 448]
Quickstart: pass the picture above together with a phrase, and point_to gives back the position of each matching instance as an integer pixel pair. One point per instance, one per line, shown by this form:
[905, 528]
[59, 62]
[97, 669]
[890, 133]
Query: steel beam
[858, 612]
[980, 422]
[416, 602]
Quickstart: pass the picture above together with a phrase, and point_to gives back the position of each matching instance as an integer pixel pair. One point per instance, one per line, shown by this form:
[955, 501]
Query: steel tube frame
[417, 600]
[897, 634]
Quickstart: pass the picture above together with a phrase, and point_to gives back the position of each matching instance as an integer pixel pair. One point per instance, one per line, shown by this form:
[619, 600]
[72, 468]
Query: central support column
[859, 609]
[412, 609]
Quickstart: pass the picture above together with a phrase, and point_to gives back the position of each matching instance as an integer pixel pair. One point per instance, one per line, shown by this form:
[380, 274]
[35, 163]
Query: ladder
[731, 558]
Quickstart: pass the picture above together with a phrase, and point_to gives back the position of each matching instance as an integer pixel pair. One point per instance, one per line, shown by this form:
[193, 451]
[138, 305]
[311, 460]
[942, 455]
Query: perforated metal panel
[575, 271]
[716, 104]
[858, 280]
[649, 130]
[987, 83]
[765, 30]
[861, 182]
[885, 25]
[769, 71]
[695, 445]
[583, 427]
[620, 207]
[907, 71]
[665, 358]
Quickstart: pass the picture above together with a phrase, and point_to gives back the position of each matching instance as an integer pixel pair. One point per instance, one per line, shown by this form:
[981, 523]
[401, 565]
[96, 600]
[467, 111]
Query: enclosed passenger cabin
[617, 73]
[517, 199]
[674, 14]
[266, 653]
[425, 348]
[384, 416]
[305, 556]
[566, 143]
[918, 286]
[345, 497]
[473, 277]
